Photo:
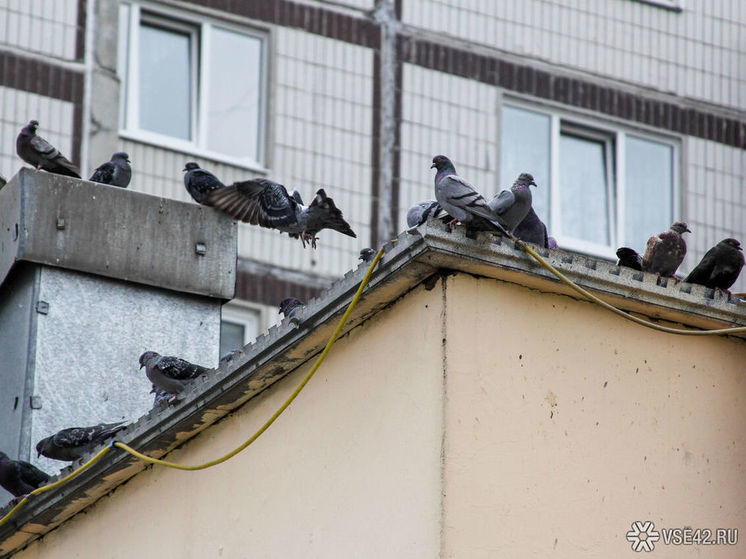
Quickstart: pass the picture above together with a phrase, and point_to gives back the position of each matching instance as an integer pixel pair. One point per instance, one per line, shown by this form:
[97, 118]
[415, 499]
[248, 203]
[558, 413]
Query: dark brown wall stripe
[35, 76]
[270, 290]
[80, 30]
[573, 92]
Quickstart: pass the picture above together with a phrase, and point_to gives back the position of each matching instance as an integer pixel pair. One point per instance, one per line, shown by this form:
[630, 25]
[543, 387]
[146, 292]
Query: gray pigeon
[36, 151]
[459, 198]
[116, 172]
[512, 206]
[720, 266]
[75, 442]
[532, 230]
[19, 477]
[290, 305]
[666, 251]
[199, 183]
[266, 203]
[171, 374]
[629, 258]
[422, 211]
[367, 255]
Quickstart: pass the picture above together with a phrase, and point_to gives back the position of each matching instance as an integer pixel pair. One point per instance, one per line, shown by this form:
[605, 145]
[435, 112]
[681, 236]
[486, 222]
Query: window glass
[525, 148]
[583, 184]
[231, 336]
[165, 81]
[234, 94]
[649, 190]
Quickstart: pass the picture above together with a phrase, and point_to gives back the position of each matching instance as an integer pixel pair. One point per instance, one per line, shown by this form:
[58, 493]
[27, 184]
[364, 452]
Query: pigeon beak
[688, 230]
[432, 166]
[184, 169]
[141, 366]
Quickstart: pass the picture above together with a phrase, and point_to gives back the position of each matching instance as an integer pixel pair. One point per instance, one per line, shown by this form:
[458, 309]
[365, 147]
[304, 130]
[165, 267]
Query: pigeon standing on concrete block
[19, 477]
[666, 251]
[116, 172]
[532, 230]
[266, 203]
[73, 443]
[199, 183]
[719, 267]
[171, 374]
[459, 198]
[629, 258]
[420, 212]
[36, 151]
[512, 206]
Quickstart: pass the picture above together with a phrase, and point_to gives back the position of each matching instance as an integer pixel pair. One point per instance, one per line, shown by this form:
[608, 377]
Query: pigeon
[422, 211]
[266, 203]
[666, 251]
[289, 306]
[367, 255]
[116, 172]
[3, 181]
[75, 442]
[629, 257]
[228, 357]
[171, 374]
[19, 477]
[459, 198]
[512, 206]
[199, 183]
[532, 230]
[36, 151]
[720, 266]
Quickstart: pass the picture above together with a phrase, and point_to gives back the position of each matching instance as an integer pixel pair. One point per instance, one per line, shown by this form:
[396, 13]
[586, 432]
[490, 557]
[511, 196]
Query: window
[196, 86]
[239, 325]
[592, 179]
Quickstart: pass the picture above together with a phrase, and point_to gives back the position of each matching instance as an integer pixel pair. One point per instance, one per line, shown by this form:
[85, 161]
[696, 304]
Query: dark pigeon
[75, 442]
[290, 305]
[266, 203]
[19, 477]
[512, 206]
[629, 258]
[228, 357]
[367, 255]
[460, 199]
[199, 183]
[666, 251]
[116, 172]
[422, 211]
[171, 374]
[720, 266]
[36, 151]
[532, 230]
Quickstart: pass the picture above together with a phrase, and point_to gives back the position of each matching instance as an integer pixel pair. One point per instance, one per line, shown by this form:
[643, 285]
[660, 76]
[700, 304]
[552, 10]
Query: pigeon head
[442, 163]
[42, 445]
[626, 252]
[525, 179]
[288, 304]
[367, 254]
[122, 156]
[31, 126]
[680, 227]
[190, 166]
[732, 243]
[147, 356]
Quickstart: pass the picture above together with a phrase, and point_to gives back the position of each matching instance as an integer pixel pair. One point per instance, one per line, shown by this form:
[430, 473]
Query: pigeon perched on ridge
[116, 172]
[532, 230]
[629, 258]
[19, 477]
[36, 151]
[666, 251]
[73, 443]
[420, 212]
[171, 374]
[266, 203]
[290, 305]
[200, 182]
[459, 198]
[367, 254]
[719, 267]
[512, 206]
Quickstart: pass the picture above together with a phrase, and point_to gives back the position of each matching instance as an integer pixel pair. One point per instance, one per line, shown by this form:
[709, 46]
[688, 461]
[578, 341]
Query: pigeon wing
[502, 202]
[104, 173]
[324, 214]
[51, 159]
[31, 474]
[179, 369]
[257, 201]
[199, 183]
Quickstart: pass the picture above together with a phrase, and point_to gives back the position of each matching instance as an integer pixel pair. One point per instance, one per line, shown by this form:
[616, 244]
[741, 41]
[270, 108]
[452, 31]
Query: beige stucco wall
[555, 427]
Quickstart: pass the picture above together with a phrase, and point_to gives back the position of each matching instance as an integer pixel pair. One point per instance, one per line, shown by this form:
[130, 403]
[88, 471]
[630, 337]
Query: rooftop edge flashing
[117, 233]
[410, 259]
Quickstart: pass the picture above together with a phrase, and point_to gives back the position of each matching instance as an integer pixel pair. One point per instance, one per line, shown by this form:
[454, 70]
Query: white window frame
[239, 313]
[201, 32]
[615, 134]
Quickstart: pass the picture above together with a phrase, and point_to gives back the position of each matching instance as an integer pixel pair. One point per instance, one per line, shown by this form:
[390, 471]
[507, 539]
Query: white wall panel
[41, 26]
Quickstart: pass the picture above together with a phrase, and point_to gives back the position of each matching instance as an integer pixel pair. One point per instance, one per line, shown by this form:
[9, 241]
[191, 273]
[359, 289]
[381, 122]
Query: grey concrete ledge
[410, 259]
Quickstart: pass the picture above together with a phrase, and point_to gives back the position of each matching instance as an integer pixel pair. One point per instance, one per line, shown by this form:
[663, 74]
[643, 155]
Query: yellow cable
[612, 308]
